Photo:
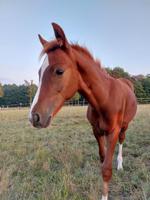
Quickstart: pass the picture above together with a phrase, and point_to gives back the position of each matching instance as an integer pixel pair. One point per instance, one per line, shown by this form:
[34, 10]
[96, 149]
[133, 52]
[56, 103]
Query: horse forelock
[49, 46]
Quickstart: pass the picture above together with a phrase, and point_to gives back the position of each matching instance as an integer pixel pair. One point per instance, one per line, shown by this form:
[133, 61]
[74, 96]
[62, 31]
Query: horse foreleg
[111, 140]
[102, 149]
[99, 135]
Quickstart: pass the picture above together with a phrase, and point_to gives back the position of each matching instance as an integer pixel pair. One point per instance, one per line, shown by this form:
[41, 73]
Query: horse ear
[42, 40]
[60, 35]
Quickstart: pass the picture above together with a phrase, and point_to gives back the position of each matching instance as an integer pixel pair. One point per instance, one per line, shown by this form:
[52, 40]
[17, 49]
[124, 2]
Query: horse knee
[122, 134]
[121, 138]
[106, 173]
[102, 155]
[102, 158]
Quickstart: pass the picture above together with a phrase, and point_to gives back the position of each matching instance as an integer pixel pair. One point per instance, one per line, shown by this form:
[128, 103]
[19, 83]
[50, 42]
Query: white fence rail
[70, 103]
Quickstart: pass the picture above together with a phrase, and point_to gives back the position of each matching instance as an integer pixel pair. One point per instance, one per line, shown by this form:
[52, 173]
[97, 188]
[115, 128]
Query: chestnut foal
[68, 68]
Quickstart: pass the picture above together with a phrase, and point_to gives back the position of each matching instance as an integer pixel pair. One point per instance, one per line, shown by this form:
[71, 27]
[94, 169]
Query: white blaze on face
[35, 100]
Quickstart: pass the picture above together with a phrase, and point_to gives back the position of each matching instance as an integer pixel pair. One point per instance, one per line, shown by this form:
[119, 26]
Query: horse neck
[93, 81]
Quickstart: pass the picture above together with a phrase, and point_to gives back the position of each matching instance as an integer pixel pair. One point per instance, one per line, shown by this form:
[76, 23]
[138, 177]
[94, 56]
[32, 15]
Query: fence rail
[70, 103]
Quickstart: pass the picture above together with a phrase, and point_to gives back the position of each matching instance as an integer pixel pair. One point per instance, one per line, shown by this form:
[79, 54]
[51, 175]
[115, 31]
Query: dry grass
[62, 163]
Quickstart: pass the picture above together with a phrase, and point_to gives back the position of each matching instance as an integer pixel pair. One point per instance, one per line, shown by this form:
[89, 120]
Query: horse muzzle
[38, 121]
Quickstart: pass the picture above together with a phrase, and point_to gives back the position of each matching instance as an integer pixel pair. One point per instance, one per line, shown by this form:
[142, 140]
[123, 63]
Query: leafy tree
[119, 72]
[146, 85]
[31, 89]
[139, 90]
[76, 96]
[14, 95]
[1, 90]
[109, 70]
[138, 77]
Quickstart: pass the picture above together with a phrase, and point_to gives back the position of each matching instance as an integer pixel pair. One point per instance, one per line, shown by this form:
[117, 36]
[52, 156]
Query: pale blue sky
[116, 31]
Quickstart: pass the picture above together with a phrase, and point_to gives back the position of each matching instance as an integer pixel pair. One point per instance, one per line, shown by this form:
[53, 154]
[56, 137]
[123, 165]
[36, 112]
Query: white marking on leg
[104, 197]
[105, 191]
[35, 100]
[119, 158]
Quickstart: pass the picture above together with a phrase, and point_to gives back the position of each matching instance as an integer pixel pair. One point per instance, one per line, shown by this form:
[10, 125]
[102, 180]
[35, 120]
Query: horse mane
[86, 52]
[82, 50]
[54, 44]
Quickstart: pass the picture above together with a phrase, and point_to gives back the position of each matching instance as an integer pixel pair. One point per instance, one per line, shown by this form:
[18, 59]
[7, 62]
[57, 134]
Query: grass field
[62, 162]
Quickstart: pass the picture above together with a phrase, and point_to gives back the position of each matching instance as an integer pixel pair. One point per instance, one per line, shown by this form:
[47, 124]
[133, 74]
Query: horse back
[127, 82]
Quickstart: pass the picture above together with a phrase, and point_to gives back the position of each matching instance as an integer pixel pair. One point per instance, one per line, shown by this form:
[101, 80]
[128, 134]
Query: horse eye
[59, 71]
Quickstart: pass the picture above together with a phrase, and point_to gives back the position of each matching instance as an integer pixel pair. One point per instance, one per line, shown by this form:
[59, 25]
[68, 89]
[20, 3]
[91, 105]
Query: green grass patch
[62, 162]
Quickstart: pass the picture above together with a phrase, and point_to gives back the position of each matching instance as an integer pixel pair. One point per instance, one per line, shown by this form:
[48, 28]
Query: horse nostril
[36, 117]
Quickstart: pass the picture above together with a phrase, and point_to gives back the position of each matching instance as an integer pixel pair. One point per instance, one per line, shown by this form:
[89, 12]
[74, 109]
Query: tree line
[17, 95]
[22, 95]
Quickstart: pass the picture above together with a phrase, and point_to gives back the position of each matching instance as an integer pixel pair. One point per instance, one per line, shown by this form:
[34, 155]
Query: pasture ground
[62, 162]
